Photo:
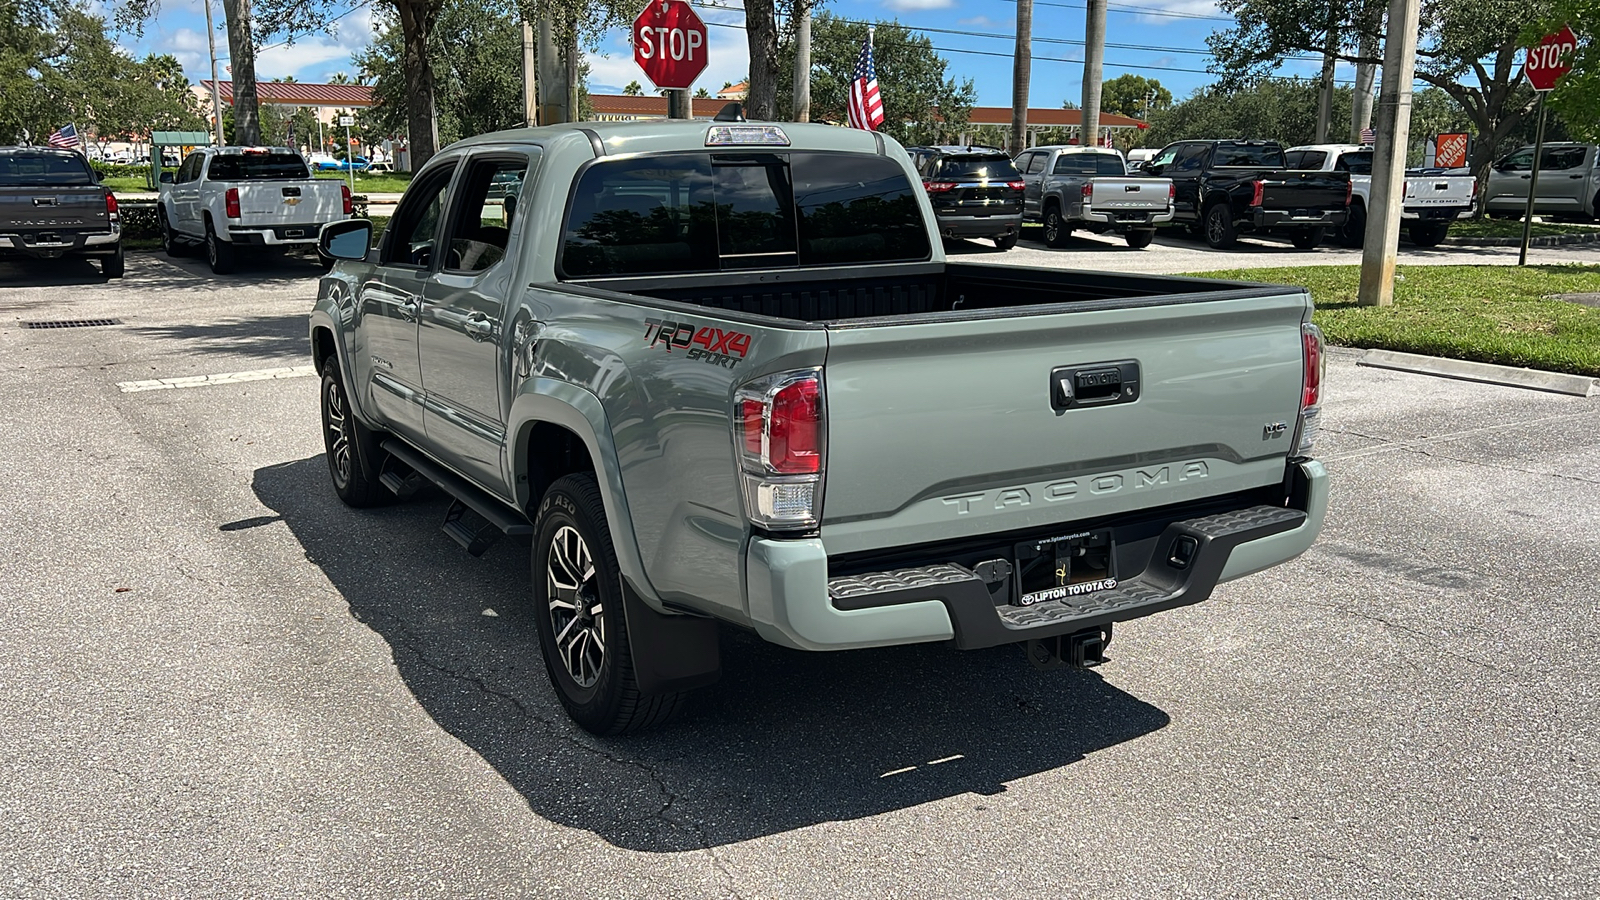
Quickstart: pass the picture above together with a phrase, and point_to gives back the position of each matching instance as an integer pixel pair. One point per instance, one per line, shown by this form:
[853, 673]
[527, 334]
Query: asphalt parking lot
[221, 682]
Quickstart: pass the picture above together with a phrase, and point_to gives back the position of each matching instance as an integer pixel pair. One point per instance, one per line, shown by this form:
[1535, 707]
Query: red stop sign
[1551, 59]
[669, 43]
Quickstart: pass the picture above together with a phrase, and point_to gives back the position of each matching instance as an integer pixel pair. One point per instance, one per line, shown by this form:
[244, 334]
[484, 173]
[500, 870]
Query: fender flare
[561, 403]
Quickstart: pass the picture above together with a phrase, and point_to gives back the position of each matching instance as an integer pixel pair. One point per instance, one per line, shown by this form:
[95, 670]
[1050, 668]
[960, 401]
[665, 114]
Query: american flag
[65, 136]
[866, 106]
[1368, 136]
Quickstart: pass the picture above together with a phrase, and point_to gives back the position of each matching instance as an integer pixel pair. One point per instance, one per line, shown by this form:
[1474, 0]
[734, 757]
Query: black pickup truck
[52, 205]
[1225, 188]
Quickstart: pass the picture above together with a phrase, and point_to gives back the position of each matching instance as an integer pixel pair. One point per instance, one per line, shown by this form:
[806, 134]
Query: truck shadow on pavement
[786, 740]
[274, 337]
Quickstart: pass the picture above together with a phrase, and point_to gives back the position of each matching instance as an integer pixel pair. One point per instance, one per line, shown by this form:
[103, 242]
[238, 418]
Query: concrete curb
[1510, 376]
[1549, 240]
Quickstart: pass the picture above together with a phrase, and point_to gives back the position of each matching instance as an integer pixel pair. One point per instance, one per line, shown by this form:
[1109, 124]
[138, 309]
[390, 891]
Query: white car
[228, 198]
[1434, 198]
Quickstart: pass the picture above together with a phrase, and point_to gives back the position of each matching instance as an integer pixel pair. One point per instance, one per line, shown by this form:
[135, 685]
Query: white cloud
[980, 22]
[1184, 8]
[313, 57]
[912, 5]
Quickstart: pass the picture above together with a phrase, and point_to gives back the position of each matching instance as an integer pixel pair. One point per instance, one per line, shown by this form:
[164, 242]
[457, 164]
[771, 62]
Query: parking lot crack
[1430, 640]
[1560, 476]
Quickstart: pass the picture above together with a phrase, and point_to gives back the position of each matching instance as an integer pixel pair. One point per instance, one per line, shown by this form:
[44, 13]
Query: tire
[347, 443]
[1140, 239]
[1307, 238]
[1005, 241]
[220, 254]
[1353, 233]
[1056, 232]
[583, 628]
[1220, 232]
[169, 237]
[1429, 234]
[113, 266]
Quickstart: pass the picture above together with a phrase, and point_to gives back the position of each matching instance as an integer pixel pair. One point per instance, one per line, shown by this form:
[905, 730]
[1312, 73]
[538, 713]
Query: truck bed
[929, 289]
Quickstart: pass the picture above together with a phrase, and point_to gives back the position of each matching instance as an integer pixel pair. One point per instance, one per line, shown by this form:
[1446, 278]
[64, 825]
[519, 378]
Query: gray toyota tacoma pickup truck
[722, 373]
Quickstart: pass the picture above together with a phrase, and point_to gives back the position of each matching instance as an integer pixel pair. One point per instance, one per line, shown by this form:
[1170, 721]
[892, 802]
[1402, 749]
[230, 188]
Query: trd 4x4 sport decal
[715, 346]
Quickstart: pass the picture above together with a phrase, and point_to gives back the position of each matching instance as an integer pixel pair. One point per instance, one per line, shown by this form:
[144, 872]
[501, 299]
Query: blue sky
[1163, 39]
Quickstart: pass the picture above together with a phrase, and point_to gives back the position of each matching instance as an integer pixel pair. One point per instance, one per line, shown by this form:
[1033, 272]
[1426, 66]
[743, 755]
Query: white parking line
[189, 381]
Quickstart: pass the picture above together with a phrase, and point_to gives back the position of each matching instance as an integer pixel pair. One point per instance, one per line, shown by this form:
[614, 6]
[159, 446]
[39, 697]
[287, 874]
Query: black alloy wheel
[345, 440]
[1056, 231]
[1220, 231]
[1353, 233]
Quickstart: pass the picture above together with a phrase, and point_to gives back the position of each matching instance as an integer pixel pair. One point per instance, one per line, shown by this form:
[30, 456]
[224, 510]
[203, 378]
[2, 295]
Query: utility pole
[802, 60]
[1021, 76]
[530, 76]
[553, 94]
[216, 89]
[1389, 154]
[1094, 55]
[1330, 46]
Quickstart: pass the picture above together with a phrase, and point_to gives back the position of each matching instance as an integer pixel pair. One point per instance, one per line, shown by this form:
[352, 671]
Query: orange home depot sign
[1451, 151]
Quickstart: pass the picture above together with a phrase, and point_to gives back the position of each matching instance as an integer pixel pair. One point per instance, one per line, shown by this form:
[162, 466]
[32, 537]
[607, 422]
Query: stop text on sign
[1551, 56]
[669, 43]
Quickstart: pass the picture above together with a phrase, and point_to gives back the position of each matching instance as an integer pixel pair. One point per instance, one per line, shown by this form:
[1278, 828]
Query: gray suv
[1569, 183]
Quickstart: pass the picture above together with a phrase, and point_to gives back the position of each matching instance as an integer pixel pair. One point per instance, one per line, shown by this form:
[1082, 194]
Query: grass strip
[1508, 228]
[1492, 314]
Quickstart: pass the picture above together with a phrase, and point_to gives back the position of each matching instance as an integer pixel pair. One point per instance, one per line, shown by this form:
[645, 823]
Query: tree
[633, 89]
[476, 60]
[1467, 48]
[761, 31]
[58, 66]
[919, 101]
[1134, 96]
[1279, 109]
[133, 14]
[699, 94]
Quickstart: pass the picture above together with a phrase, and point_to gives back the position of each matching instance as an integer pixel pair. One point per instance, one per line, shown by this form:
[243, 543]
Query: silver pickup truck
[721, 373]
[1090, 188]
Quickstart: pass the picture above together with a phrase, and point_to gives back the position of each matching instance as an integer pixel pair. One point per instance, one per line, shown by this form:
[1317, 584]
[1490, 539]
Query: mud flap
[671, 653]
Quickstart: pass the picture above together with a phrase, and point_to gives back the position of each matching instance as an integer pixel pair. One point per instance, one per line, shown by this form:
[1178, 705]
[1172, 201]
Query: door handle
[411, 309]
[479, 327]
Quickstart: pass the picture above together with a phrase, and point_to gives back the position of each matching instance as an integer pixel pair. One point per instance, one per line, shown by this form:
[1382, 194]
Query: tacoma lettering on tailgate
[1073, 488]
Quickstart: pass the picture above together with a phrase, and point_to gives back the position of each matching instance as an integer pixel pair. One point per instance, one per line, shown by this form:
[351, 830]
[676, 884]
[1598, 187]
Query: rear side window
[1563, 157]
[1356, 163]
[45, 169]
[257, 167]
[1249, 155]
[979, 168]
[719, 212]
[1088, 164]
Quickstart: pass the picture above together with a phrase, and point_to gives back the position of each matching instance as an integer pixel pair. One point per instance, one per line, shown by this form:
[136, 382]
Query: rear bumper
[793, 602]
[979, 226]
[1297, 218]
[60, 244]
[1124, 219]
[275, 235]
[1440, 213]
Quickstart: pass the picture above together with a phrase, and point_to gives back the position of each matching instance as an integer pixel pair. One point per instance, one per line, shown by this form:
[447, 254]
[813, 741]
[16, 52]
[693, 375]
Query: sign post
[349, 160]
[669, 44]
[1546, 63]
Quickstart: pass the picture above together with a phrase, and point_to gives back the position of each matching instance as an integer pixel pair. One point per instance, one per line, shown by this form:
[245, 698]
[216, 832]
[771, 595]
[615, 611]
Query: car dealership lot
[221, 682]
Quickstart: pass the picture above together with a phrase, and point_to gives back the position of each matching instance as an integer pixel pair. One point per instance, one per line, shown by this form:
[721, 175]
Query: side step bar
[496, 518]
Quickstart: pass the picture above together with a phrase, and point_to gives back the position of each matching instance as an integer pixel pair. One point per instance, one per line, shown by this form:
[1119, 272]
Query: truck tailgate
[1305, 190]
[1129, 194]
[1436, 191]
[307, 202]
[49, 208]
[950, 429]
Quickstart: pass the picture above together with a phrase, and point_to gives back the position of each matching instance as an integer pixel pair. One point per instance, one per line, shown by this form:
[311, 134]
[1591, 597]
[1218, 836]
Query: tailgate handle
[291, 192]
[1097, 384]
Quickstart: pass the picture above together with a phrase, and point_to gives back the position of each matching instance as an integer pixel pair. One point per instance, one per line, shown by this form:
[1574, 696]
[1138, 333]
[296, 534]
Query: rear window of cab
[257, 167]
[722, 211]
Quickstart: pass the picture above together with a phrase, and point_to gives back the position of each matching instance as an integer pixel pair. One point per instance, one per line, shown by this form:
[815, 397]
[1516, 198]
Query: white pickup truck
[230, 198]
[1434, 197]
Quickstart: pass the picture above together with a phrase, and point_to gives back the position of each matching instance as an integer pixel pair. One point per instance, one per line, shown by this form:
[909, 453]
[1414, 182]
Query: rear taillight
[1257, 191]
[1088, 192]
[1016, 185]
[349, 202]
[231, 200]
[1349, 192]
[938, 187]
[1474, 188]
[1172, 194]
[781, 437]
[1313, 366]
[112, 215]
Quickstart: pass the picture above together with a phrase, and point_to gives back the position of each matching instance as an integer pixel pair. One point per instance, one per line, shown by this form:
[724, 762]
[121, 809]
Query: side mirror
[166, 177]
[345, 239]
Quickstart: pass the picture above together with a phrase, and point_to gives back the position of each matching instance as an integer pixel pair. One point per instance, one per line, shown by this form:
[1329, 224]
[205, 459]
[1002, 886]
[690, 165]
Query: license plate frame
[1068, 565]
